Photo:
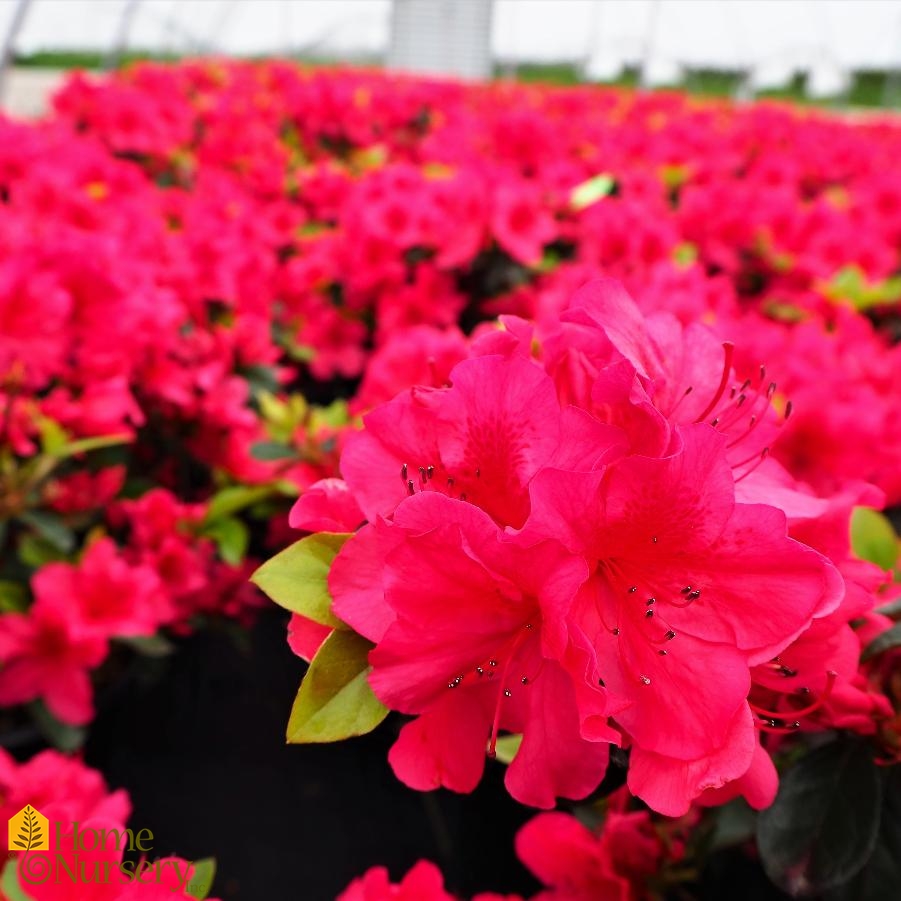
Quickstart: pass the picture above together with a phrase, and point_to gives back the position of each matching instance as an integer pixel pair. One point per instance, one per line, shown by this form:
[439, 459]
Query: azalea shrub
[584, 403]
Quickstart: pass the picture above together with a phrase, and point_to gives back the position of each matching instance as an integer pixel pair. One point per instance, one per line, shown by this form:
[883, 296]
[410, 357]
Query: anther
[492, 663]
[670, 635]
[403, 472]
[685, 590]
[421, 473]
[602, 683]
[645, 680]
[616, 631]
[524, 680]
[480, 671]
[662, 653]
[694, 595]
[450, 482]
[649, 614]
[788, 409]
[508, 693]
[771, 390]
[430, 471]
[633, 589]
[651, 601]
[411, 488]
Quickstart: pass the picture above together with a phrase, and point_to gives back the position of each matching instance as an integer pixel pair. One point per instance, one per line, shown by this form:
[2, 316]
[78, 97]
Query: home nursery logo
[29, 830]
[78, 854]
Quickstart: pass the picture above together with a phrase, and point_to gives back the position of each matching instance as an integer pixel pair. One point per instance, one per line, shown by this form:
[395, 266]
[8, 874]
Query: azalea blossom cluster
[73, 796]
[583, 540]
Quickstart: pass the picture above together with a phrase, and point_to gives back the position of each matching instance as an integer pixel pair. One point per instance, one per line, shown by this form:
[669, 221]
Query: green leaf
[591, 191]
[53, 436]
[232, 538]
[148, 645]
[35, 551]
[822, 827]
[10, 884]
[873, 538]
[892, 608]
[335, 701]
[60, 735]
[51, 528]
[881, 877]
[13, 596]
[889, 639]
[297, 578]
[237, 497]
[272, 450]
[202, 877]
[506, 748]
[735, 824]
[88, 444]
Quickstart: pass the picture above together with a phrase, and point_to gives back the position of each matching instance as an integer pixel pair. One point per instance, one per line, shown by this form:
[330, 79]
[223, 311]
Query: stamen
[728, 348]
[403, 473]
[831, 676]
[763, 455]
[411, 488]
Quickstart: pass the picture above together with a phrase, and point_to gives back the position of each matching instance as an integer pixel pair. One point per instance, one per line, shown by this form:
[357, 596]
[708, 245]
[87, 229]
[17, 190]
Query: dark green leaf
[297, 578]
[61, 735]
[880, 879]
[889, 639]
[148, 645]
[272, 450]
[51, 528]
[35, 551]
[822, 827]
[335, 701]
[13, 596]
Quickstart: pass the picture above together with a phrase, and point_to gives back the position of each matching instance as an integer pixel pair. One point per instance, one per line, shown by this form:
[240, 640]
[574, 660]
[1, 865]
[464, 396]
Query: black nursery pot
[201, 750]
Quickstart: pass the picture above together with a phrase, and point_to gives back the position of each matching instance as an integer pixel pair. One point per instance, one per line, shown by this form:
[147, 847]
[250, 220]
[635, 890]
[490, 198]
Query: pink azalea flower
[105, 595]
[470, 629]
[686, 584]
[423, 882]
[47, 655]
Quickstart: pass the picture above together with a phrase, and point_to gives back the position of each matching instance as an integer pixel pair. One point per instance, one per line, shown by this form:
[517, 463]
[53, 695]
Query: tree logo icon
[28, 831]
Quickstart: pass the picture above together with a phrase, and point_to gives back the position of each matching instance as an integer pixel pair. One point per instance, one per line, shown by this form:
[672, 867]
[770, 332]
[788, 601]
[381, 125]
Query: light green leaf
[873, 538]
[202, 877]
[506, 748]
[235, 498]
[335, 701]
[591, 191]
[297, 578]
[10, 884]
[231, 537]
